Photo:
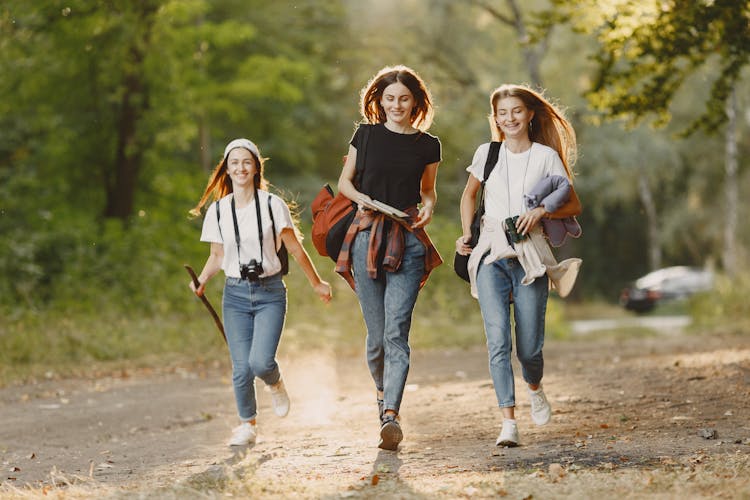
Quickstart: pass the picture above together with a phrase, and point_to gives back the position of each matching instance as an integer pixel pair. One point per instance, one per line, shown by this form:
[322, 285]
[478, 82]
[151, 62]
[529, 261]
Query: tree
[532, 51]
[105, 96]
[650, 49]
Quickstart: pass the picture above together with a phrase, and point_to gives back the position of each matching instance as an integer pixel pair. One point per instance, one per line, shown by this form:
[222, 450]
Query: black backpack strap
[273, 222]
[492, 155]
[218, 220]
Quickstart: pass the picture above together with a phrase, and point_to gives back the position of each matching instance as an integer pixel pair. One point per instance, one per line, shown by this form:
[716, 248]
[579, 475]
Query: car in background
[670, 283]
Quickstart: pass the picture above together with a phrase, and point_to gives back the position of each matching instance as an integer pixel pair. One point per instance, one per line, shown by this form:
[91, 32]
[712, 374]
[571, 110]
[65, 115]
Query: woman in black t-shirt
[390, 258]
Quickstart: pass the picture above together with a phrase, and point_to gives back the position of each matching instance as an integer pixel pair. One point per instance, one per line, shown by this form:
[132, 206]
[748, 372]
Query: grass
[722, 476]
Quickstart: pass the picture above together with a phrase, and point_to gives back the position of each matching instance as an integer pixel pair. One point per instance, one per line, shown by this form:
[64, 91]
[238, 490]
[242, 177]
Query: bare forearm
[467, 212]
[305, 263]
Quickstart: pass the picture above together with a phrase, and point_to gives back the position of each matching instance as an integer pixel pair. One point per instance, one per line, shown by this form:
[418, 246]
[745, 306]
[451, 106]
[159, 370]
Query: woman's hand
[527, 220]
[423, 217]
[201, 288]
[363, 201]
[323, 289]
[462, 245]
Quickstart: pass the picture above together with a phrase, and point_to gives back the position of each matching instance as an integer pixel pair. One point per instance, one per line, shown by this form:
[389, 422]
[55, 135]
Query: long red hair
[549, 125]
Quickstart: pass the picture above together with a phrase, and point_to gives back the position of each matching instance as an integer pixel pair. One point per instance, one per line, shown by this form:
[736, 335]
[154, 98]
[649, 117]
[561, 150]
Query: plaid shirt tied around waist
[394, 246]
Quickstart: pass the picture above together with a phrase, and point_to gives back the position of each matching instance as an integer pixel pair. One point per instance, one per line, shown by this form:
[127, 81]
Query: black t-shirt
[394, 164]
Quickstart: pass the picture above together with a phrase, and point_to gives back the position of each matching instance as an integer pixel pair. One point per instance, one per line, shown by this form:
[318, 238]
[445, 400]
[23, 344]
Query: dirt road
[664, 404]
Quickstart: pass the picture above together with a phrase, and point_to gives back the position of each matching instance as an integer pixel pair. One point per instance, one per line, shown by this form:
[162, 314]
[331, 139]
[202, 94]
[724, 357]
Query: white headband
[242, 143]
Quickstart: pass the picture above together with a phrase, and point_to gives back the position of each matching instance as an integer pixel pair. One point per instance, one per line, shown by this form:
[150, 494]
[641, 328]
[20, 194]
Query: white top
[525, 170]
[248, 226]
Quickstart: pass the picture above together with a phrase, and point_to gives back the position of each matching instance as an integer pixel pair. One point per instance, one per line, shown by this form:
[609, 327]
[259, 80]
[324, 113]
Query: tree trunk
[133, 105]
[729, 255]
[652, 221]
[129, 154]
[532, 54]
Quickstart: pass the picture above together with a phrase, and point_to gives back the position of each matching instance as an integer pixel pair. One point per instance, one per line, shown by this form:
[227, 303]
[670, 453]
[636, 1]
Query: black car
[670, 283]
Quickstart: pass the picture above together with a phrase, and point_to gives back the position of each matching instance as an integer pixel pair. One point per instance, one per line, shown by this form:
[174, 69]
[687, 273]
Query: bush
[726, 308]
[79, 292]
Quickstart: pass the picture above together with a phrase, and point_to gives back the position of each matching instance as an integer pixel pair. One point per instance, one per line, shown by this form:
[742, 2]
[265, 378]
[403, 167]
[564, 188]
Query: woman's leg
[269, 306]
[370, 293]
[238, 326]
[529, 310]
[530, 307]
[494, 284]
[401, 290]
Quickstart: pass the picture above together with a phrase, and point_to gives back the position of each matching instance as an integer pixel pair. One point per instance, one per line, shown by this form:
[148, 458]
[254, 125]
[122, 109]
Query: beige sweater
[533, 253]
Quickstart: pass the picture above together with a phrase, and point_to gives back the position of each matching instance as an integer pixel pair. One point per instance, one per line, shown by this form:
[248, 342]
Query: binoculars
[510, 224]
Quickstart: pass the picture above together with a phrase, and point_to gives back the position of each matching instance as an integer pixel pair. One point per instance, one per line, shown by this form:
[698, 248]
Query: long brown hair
[373, 112]
[549, 125]
[220, 184]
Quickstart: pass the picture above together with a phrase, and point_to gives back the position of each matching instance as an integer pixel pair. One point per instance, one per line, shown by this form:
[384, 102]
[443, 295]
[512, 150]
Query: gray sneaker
[541, 412]
[508, 434]
[280, 399]
[390, 433]
[243, 435]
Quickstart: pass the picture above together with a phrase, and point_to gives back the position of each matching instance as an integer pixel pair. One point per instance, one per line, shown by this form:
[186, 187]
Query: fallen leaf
[556, 472]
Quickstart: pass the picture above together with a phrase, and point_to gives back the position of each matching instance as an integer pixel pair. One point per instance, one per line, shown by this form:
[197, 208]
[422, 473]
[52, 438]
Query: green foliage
[726, 308]
[287, 75]
[649, 49]
[113, 297]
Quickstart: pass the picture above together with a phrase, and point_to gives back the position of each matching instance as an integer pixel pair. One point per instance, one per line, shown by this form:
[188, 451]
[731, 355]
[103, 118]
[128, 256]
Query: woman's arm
[322, 288]
[429, 195]
[468, 202]
[346, 179]
[212, 266]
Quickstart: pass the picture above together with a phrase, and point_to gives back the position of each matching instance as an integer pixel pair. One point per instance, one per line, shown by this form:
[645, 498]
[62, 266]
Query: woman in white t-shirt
[537, 142]
[244, 245]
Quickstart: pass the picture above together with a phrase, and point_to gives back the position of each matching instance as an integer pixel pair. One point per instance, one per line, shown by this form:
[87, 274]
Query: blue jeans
[495, 282]
[387, 304]
[254, 315]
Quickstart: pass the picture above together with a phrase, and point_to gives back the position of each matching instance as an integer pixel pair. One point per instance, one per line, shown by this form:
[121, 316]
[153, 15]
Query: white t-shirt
[247, 223]
[504, 190]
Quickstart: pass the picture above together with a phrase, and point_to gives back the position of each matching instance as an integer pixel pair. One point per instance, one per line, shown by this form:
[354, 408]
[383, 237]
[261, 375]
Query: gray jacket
[553, 192]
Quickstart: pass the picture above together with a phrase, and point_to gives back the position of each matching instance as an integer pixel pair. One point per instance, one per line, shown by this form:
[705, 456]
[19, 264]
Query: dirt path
[619, 405]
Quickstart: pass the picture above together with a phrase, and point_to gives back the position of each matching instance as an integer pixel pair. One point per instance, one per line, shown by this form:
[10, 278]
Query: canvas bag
[332, 215]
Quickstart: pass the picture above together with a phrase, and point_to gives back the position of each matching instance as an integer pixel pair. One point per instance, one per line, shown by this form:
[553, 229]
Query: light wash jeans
[494, 284]
[387, 304]
[254, 315]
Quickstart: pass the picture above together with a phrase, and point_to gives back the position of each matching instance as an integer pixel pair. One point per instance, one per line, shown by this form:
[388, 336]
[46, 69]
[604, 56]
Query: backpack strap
[273, 222]
[492, 155]
[218, 220]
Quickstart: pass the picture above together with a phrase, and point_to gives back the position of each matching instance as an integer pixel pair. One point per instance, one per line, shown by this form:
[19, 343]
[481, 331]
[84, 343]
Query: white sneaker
[508, 435]
[541, 412]
[280, 399]
[243, 435]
